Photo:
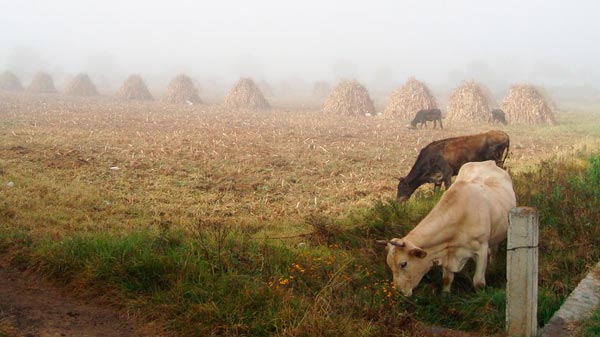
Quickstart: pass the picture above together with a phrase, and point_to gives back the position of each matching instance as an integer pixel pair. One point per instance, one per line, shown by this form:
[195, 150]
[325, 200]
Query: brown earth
[32, 307]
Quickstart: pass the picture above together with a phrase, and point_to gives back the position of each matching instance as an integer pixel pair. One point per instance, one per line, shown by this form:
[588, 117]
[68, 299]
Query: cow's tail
[506, 153]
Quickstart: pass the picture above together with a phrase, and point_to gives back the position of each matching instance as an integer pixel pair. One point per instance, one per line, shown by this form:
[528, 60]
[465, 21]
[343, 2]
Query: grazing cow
[423, 116]
[470, 219]
[440, 160]
[497, 115]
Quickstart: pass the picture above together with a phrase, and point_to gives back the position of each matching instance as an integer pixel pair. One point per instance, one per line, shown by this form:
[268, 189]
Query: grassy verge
[224, 279]
[591, 327]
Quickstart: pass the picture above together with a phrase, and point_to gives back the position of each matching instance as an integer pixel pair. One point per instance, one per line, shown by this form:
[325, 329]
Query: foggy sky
[379, 42]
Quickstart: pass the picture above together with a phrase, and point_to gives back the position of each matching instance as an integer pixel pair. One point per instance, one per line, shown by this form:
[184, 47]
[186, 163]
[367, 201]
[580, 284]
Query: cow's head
[404, 190]
[408, 263]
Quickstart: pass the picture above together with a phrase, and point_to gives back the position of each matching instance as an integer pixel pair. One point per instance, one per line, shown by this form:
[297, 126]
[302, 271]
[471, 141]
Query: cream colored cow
[470, 218]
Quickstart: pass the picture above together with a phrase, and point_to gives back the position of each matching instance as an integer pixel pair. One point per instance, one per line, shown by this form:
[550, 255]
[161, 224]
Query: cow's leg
[447, 278]
[480, 267]
[447, 174]
[441, 127]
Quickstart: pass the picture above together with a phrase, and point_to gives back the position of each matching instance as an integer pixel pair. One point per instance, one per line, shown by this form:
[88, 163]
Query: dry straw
[408, 99]
[181, 90]
[42, 83]
[81, 85]
[10, 82]
[349, 98]
[471, 102]
[526, 104]
[134, 88]
[246, 95]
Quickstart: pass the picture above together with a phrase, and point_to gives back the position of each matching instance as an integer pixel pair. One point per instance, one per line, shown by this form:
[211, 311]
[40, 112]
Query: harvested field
[138, 200]
[252, 167]
[408, 99]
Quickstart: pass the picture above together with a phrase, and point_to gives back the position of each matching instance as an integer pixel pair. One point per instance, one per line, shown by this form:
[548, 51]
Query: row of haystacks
[470, 102]
[349, 98]
[527, 104]
[181, 90]
[246, 95]
[524, 104]
[408, 99]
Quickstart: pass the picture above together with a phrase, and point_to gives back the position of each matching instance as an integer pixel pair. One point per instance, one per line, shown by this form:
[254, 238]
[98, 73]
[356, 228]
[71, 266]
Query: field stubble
[134, 160]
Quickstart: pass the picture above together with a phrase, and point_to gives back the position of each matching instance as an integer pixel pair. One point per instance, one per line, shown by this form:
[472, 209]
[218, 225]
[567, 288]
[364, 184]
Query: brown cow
[440, 160]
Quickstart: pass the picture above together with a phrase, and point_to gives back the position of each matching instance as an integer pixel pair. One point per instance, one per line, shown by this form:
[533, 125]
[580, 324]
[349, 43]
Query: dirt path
[31, 307]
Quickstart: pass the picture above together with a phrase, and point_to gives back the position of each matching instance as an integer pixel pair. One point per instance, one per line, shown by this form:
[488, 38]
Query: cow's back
[490, 191]
[490, 145]
[460, 150]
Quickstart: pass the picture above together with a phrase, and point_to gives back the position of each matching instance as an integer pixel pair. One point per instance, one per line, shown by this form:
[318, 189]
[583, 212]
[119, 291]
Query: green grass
[591, 327]
[224, 279]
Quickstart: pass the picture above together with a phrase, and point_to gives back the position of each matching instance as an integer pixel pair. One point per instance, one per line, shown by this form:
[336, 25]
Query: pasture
[217, 222]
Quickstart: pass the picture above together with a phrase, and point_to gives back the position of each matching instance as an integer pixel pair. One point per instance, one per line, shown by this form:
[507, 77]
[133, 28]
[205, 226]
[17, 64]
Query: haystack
[181, 90]
[81, 85]
[321, 89]
[349, 98]
[42, 83]
[408, 99]
[10, 82]
[134, 88]
[527, 105]
[469, 103]
[246, 95]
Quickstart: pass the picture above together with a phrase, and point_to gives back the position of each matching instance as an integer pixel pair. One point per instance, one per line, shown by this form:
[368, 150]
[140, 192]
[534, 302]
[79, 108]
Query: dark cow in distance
[497, 115]
[441, 159]
[427, 115]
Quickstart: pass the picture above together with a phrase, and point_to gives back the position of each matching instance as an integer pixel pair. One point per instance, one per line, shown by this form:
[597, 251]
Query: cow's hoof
[479, 285]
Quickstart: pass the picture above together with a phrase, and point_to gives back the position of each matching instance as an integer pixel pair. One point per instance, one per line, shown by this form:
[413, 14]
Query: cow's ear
[417, 252]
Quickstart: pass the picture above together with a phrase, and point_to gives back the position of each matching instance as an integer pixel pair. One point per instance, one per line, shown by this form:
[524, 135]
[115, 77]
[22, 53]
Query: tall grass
[223, 279]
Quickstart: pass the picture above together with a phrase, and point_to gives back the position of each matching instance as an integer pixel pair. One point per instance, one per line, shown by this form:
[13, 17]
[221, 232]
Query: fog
[380, 43]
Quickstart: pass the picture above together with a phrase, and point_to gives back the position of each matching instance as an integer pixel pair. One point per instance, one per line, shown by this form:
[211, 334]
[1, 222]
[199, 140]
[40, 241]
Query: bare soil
[32, 307]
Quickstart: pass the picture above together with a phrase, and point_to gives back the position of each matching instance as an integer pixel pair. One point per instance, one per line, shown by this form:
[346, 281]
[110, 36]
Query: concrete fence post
[522, 272]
